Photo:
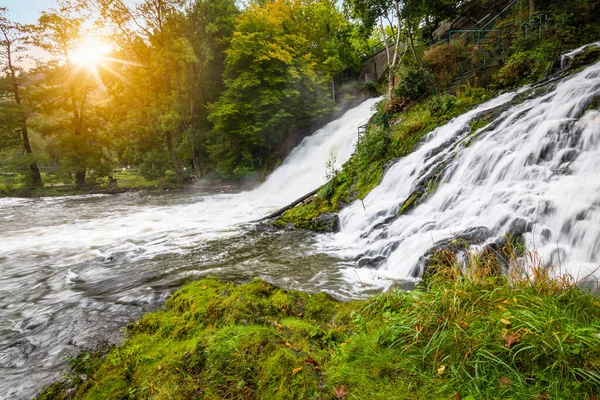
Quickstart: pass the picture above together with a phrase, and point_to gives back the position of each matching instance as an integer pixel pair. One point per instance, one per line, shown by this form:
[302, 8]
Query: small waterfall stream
[538, 162]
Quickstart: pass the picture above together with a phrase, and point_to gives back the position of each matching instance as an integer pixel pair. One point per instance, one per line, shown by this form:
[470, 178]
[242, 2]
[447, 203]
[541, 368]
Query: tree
[277, 71]
[155, 76]
[400, 17]
[377, 14]
[12, 45]
[67, 90]
[210, 25]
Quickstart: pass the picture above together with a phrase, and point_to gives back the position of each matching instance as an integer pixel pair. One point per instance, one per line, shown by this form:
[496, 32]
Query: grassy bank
[15, 185]
[462, 335]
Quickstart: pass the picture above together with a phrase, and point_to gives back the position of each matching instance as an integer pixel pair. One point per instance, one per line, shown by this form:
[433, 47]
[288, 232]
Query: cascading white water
[304, 169]
[76, 269]
[540, 161]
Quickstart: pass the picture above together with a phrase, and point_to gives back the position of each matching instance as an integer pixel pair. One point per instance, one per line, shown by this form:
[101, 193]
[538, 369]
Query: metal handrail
[499, 14]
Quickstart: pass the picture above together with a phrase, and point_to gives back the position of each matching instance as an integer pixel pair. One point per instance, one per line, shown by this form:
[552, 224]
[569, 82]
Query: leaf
[505, 321]
[309, 360]
[457, 396]
[441, 369]
[287, 344]
[510, 339]
[296, 370]
[463, 325]
[339, 392]
[504, 381]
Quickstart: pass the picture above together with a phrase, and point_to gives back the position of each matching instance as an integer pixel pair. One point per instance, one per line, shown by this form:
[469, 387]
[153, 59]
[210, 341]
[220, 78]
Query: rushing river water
[76, 269]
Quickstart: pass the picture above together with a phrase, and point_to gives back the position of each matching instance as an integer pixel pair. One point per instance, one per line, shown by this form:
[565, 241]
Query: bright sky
[28, 11]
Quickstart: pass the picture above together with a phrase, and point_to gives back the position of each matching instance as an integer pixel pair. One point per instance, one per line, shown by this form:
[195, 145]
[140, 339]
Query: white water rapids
[76, 269]
[539, 161]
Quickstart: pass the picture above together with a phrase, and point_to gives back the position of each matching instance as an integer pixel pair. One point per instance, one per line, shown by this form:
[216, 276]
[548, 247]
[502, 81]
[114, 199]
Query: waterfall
[305, 168]
[537, 164]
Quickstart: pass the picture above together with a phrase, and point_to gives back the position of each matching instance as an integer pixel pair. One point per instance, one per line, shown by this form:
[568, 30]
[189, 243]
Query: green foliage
[154, 164]
[526, 66]
[277, 74]
[415, 84]
[466, 333]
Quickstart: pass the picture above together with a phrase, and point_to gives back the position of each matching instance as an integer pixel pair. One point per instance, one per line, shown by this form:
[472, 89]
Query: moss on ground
[461, 335]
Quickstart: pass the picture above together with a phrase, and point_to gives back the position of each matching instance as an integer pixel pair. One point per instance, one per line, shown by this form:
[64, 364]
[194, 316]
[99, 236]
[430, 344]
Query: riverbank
[124, 181]
[461, 335]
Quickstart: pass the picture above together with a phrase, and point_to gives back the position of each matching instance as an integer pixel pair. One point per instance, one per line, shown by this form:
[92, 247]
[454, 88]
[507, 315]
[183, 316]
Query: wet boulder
[454, 245]
[327, 222]
[371, 262]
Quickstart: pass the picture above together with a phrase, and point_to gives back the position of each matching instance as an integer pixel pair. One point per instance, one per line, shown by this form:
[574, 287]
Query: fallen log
[289, 206]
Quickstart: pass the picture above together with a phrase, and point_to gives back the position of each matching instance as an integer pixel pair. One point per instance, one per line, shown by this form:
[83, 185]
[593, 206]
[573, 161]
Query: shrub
[516, 69]
[442, 59]
[414, 85]
[154, 165]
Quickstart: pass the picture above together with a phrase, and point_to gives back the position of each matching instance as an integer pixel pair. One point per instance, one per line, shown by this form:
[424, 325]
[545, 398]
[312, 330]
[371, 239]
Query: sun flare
[90, 53]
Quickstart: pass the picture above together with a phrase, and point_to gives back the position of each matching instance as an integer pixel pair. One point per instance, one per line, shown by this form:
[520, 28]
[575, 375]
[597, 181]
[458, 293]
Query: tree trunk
[391, 84]
[196, 162]
[333, 89]
[80, 177]
[174, 161]
[36, 177]
[531, 7]
[412, 45]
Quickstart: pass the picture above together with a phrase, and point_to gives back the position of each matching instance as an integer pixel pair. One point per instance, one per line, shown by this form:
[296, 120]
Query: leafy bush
[414, 85]
[516, 69]
[526, 66]
[442, 59]
[155, 164]
[440, 105]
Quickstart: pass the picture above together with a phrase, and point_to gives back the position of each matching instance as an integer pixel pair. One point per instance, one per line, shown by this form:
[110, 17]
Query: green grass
[464, 334]
[129, 179]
